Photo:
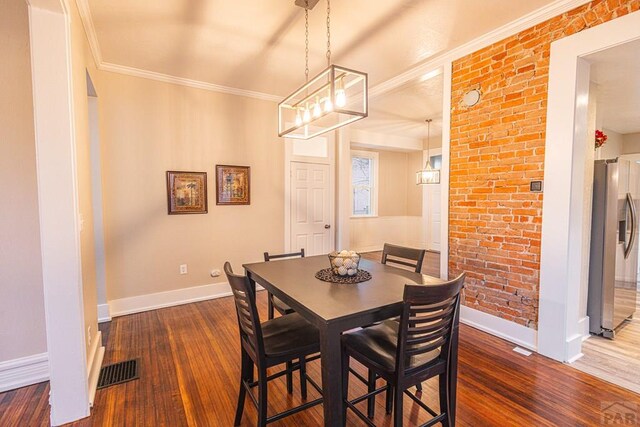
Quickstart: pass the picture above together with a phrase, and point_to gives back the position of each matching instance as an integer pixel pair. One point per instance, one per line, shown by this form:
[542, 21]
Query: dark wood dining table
[335, 308]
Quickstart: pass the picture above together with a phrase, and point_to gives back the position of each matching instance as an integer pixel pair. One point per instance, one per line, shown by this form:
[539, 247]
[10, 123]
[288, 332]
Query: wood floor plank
[190, 368]
[616, 361]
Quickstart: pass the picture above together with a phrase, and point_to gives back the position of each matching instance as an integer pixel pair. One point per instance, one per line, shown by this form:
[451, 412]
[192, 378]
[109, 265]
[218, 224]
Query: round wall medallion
[471, 98]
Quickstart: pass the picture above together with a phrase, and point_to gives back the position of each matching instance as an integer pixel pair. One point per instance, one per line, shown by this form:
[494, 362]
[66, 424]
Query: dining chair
[274, 342]
[402, 255]
[419, 347]
[273, 301]
[395, 254]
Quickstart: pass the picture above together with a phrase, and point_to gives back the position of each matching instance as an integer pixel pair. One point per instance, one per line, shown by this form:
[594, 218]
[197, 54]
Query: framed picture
[233, 186]
[186, 192]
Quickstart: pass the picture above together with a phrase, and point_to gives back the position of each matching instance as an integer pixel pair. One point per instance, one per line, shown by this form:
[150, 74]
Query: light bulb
[328, 105]
[298, 119]
[317, 111]
[306, 116]
[341, 98]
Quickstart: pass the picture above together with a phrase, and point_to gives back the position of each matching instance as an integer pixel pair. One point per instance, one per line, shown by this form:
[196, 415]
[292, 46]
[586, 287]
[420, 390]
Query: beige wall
[22, 322]
[398, 194]
[414, 192]
[631, 143]
[392, 180]
[149, 127]
[613, 147]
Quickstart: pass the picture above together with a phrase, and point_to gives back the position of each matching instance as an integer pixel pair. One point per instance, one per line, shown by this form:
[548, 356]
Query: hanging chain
[306, 40]
[328, 32]
[428, 139]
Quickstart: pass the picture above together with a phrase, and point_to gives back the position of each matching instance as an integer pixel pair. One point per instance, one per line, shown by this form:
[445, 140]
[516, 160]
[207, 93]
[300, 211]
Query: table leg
[251, 282]
[331, 363]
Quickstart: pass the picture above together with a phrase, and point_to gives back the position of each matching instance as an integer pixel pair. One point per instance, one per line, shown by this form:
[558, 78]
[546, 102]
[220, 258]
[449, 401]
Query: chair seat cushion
[289, 334]
[378, 343]
[281, 306]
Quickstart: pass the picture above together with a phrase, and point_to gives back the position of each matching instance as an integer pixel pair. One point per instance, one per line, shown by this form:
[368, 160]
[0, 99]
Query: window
[364, 183]
[436, 161]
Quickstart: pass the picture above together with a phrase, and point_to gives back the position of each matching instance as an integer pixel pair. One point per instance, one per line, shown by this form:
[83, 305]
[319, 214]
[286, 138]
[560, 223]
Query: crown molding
[427, 69]
[90, 30]
[87, 22]
[423, 70]
[198, 84]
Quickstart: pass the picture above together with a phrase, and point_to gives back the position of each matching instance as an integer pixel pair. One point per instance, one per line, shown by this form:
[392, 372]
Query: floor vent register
[118, 373]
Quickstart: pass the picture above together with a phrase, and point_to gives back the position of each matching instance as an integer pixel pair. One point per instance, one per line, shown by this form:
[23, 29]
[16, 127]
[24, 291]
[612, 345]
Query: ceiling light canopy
[334, 98]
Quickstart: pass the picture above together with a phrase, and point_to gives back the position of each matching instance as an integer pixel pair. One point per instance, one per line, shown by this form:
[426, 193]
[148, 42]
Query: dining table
[335, 308]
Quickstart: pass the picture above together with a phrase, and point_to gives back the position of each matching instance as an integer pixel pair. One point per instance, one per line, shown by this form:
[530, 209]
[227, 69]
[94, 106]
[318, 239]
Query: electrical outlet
[183, 268]
[89, 335]
[215, 273]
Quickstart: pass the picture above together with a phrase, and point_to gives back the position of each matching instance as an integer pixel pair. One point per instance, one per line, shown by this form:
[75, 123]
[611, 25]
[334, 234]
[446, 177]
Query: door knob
[327, 226]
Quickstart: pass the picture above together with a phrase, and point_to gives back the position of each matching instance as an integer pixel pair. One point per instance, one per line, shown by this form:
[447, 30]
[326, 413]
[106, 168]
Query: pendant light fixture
[332, 99]
[428, 175]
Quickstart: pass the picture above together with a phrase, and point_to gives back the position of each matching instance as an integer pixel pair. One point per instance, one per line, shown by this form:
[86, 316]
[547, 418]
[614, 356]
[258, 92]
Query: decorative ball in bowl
[344, 263]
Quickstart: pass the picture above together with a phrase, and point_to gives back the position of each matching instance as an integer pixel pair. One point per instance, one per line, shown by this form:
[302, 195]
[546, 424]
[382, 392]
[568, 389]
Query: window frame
[374, 157]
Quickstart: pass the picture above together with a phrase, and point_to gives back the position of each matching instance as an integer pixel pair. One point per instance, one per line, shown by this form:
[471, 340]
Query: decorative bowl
[344, 263]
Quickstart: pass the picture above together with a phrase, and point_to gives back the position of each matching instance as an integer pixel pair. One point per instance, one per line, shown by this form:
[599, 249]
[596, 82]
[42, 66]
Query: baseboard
[138, 304]
[24, 371]
[510, 331]
[373, 248]
[95, 363]
[575, 358]
[583, 327]
[103, 313]
[378, 248]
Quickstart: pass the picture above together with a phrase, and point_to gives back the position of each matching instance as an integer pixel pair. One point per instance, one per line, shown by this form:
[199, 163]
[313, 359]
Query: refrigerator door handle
[632, 238]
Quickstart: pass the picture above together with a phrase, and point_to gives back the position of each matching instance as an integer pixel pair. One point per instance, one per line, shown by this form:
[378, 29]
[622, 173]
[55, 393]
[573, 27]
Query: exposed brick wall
[497, 148]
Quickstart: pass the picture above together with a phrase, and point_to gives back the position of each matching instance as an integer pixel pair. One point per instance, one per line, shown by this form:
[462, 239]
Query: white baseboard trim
[574, 358]
[510, 331]
[95, 363]
[583, 327]
[138, 304]
[24, 371]
[373, 248]
[574, 347]
[103, 313]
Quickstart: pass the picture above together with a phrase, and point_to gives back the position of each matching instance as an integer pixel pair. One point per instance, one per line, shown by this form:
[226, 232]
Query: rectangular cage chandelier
[334, 98]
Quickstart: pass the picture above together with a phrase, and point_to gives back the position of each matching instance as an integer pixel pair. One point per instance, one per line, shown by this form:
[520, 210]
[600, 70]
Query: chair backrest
[430, 316]
[300, 254]
[400, 254]
[248, 320]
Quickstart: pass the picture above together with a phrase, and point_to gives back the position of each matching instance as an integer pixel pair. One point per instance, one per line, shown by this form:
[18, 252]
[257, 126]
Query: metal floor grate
[118, 373]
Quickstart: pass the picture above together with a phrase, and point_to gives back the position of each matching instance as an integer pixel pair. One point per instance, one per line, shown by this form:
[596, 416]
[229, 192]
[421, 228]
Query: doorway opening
[611, 349]
[569, 155]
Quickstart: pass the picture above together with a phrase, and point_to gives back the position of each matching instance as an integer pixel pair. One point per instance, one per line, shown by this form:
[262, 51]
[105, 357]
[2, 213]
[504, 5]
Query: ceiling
[258, 45]
[402, 111]
[617, 73]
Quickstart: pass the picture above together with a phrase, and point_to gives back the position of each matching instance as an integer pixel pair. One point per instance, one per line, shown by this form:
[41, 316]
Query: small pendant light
[428, 175]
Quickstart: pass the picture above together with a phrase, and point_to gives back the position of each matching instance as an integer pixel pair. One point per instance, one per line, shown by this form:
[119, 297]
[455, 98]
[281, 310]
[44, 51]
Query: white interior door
[310, 208]
[432, 205]
[434, 217]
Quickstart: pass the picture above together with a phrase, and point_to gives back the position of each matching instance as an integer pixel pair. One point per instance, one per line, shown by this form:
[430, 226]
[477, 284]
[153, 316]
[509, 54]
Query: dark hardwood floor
[190, 365]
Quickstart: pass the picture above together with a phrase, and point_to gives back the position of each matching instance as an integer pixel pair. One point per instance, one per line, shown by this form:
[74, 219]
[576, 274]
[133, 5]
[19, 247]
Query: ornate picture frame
[233, 185]
[186, 192]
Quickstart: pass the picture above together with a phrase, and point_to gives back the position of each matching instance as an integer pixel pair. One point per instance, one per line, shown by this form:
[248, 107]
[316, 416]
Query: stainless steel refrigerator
[613, 268]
